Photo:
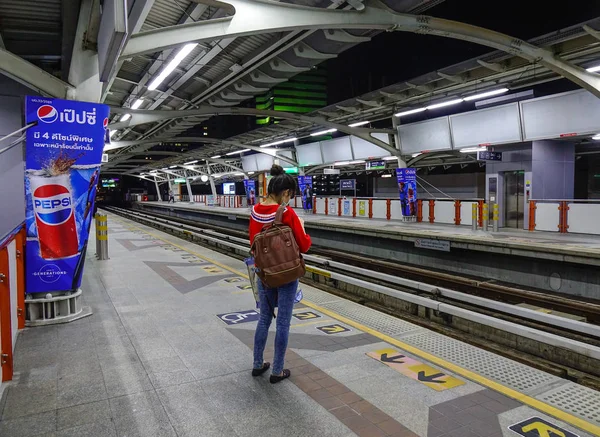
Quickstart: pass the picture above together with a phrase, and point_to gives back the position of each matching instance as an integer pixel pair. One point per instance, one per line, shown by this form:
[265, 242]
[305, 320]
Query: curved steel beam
[261, 17]
[271, 152]
[139, 116]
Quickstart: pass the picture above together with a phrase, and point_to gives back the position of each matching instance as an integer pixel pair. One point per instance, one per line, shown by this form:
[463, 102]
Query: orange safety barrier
[314, 204]
[388, 205]
[419, 210]
[480, 221]
[339, 206]
[6, 353]
[431, 210]
[532, 208]
[326, 206]
[354, 207]
[370, 208]
[563, 209]
[457, 212]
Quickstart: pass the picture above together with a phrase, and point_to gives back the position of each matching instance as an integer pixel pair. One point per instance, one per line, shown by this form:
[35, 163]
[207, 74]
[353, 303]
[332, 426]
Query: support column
[84, 74]
[158, 196]
[213, 188]
[189, 190]
[395, 124]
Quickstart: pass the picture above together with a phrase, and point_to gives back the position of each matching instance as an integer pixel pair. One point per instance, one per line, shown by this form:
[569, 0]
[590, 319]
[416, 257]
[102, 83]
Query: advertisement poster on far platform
[303, 183]
[63, 154]
[407, 186]
[250, 187]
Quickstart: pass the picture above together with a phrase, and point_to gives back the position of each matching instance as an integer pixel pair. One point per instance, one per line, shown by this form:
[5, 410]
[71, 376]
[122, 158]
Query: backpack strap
[279, 215]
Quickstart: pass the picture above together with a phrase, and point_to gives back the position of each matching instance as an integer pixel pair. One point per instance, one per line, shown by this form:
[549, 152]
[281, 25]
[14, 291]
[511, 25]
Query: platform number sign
[537, 427]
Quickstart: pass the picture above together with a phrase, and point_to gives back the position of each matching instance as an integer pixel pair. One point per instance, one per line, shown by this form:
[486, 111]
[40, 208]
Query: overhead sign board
[179, 181]
[375, 165]
[331, 171]
[489, 156]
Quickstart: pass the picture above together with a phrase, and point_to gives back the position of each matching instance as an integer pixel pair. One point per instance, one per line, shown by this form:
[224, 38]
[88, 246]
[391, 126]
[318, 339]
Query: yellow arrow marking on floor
[332, 329]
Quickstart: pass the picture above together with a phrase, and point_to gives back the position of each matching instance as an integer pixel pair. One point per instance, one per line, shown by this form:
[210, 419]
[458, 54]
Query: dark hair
[281, 181]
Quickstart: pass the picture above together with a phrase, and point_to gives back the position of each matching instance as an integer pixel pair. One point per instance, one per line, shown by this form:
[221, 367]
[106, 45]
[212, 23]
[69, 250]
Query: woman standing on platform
[281, 189]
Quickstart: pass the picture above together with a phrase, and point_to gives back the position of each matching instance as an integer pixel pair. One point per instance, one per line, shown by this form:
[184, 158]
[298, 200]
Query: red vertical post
[21, 241]
[370, 208]
[388, 204]
[314, 204]
[457, 212]
[6, 352]
[339, 206]
[431, 210]
[419, 210]
[532, 208]
[480, 214]
[563, 209]
[354, 207]
[326, 206]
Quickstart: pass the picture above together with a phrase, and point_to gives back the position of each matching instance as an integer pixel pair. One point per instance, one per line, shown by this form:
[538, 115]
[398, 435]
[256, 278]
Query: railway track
[486, 314]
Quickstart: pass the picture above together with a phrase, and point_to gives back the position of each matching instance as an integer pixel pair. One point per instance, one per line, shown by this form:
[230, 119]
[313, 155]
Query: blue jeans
[285, 302]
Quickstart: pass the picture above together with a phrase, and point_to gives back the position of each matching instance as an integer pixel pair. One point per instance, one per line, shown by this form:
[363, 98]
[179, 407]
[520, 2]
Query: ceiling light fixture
[190, 163]
[414, 155]
[360, 123]
[164, 168]
[215, 157]
[390, 158]
[342, 163]
[173, 166]
[596, 137]
[409, 112]
[386, 175]
[237, 152]
[125, 117]
[486, 94]
[444, 104]
[323, 132]
[276, 143]
[204, 178]
[179, 57]
[593, 69]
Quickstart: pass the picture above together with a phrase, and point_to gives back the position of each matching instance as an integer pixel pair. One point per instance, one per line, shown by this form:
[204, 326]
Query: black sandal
[263, 369]
[278, 378]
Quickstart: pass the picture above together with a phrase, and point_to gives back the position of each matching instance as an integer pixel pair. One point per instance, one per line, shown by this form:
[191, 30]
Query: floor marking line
[311, 323]
[482, 380]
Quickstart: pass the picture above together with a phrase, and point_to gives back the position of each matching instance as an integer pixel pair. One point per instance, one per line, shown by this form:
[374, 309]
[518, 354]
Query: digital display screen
[229, 188]
[110, 183]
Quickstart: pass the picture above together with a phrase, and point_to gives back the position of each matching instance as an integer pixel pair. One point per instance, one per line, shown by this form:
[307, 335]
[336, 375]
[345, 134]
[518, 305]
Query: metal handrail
[12, 134]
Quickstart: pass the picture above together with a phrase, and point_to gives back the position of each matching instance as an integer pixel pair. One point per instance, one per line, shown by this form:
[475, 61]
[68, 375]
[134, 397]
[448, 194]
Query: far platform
[563, 247]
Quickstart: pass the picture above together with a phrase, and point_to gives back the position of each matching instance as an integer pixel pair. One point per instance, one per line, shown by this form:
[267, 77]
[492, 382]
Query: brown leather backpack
[276, 254]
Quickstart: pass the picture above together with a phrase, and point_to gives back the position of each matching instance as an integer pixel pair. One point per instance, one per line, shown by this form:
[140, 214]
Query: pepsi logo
[105, 123]
[47, 114]
[52, 204]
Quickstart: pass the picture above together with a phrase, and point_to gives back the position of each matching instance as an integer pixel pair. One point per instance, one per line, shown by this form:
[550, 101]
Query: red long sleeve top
[265, 214]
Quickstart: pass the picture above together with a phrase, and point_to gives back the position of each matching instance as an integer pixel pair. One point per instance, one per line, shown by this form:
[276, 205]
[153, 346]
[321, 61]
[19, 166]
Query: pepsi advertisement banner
[407, 186]
[63, 154]
[250, 187]
[303, 183]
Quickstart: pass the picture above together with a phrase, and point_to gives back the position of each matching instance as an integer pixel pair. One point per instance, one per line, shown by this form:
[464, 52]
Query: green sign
[291, 170]
[179, 181]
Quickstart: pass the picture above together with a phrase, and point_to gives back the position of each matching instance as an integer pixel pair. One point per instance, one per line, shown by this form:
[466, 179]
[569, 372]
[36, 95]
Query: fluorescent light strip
[342, 163]
[137, 103]
[390, 158]
[190, 163]
[276, 143]
[486, 94]
[596, 137]
[215, 157]
[386, 175]
[125, 117]
[593, 69]
[444, 104]
[113, 132]
[164, 168]
[473, 149]
[179, 57]
[356, 162]
[173, 166]
[237, 152]
[323, 132]
[360, 123]
[409, 112]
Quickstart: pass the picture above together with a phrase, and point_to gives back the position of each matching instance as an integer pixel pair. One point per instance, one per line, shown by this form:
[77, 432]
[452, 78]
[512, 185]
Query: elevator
[514, 199]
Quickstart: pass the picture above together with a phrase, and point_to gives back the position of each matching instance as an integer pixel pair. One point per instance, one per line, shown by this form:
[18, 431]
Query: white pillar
[395, 124]
[158, 196]
[189, 189]
[213, 188]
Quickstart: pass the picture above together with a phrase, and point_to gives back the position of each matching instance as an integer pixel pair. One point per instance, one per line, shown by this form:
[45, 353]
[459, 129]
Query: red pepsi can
[54, 216]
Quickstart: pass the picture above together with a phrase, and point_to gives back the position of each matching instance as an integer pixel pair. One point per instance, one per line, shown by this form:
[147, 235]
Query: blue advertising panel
[489, 156]
[250, 187]
[347, 184]
[63, 155]
[305, 182]
[407, 186]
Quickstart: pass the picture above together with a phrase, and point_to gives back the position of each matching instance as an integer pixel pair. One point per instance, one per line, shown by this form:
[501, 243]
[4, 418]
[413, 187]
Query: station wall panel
[249, 163]
[338, 149]
[572, 113]
[364, 150]
[498, 125]
[427, 135]
[264, 161]
[309, 154]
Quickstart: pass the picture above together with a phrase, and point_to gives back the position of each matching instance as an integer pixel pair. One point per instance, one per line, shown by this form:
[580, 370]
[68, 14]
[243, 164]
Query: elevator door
[514, 200]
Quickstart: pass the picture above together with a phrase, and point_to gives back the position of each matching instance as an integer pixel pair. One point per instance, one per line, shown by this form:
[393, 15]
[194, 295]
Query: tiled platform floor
[155, 360]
